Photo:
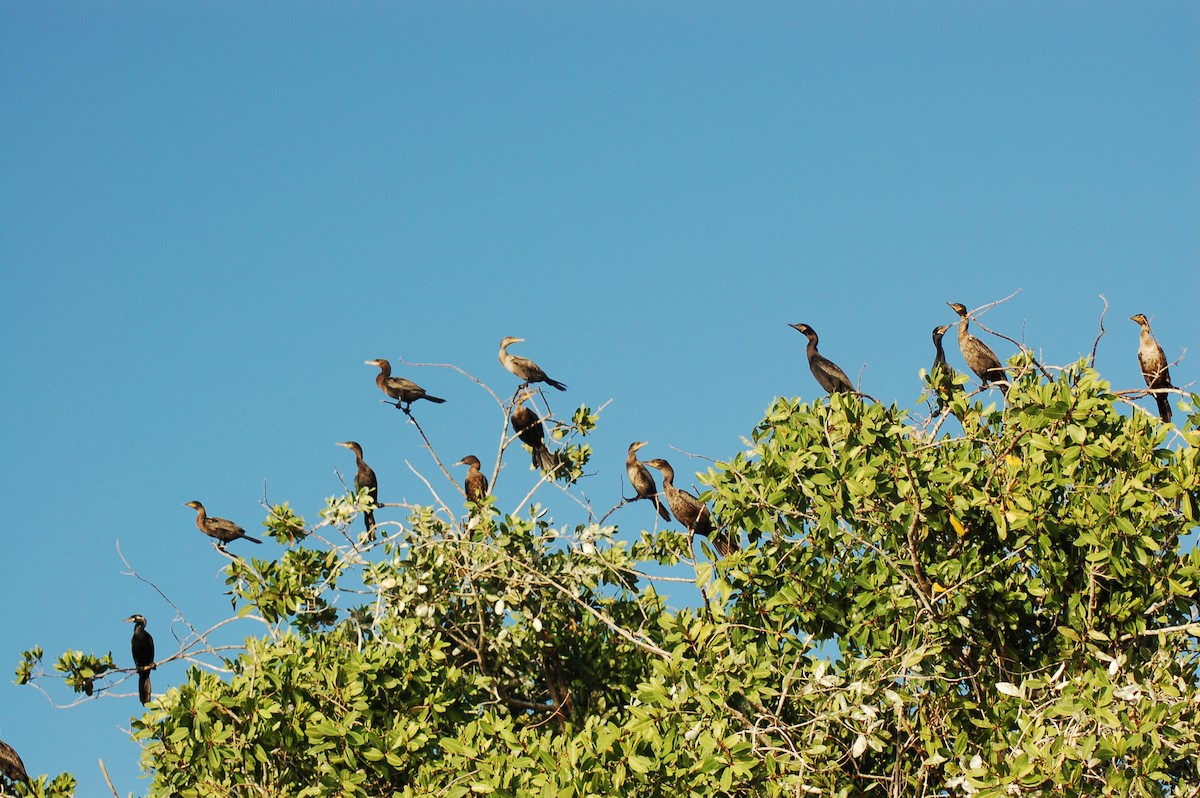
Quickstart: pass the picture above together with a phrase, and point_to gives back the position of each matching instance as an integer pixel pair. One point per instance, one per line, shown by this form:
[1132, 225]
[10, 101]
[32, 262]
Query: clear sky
[212, 214]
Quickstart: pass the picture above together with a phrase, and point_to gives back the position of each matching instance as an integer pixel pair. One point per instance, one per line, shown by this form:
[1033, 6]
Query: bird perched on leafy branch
[475, 485]
[828, 375]
[530, 430]
[142, 647]
[690, 512]
[642, 480]
[364, 477]
[222, 529]
[1153, 361]
[978, 356]
[405, 392]
[526, 369]
[941, 374]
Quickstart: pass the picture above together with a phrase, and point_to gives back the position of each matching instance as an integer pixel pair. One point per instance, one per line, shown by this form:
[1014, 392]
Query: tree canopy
[1002, 609]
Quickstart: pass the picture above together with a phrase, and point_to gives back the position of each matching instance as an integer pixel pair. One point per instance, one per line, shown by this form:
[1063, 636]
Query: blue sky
[212, 214]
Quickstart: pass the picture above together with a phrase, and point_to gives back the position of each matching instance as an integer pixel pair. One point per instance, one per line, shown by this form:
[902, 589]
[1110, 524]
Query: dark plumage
[405, 392]
[979, 358]
[642, 480]
[142, 646]
[524, 368]
[529, 429]
[222, 529]
[476, 484]
[688, 510]
[828, 375]
[11, 765]
[1153, 361]
[364, 477]
[941, 374]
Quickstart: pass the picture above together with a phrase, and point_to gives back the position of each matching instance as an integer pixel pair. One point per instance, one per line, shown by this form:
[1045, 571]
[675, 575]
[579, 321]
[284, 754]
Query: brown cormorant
[529, 429]
[828, 375]
[142, 646]
[524, 368]
[11, 765]
[405, 392]
[642, 480]
[222, 529]
[1154, 366]
[978, 356]
[688, 510]
[364, 477]
[476, 484]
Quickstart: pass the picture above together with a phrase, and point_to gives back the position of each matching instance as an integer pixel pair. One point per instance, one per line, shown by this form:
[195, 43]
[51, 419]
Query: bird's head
[136, 619]
[351, 445]
[469, 460]
[195, 505]
[801, 328]
[938, 332]
[633, 447]
[509, 339]
[1140, 318]
[958, 308]
[378, 362]
[658, 463]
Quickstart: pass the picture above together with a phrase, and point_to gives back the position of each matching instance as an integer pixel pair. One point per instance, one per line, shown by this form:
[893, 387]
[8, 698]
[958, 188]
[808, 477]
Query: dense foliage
[1000, 611]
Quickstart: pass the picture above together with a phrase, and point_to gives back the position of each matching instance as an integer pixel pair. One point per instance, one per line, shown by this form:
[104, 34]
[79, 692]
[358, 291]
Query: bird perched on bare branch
[1153, 361]
[524, 368]
[642, 480]
[688, 510]
[142, 646]
[828, 375]
[11, 765]
[981, 359]
[364, 477]
[405, 392]
[529, 429]
[476, 484]
[222, 529]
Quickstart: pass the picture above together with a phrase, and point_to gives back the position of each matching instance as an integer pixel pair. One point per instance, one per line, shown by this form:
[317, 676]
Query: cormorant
[405, 392]
[364, 477]
[524, 368]
[11, 765]
[689, 511]
[979, 357]
[142, 646]
[1154, 366]
[642, 480]
[220, 528]
[529, 429]
[941, 374]
[828, 375]
[476, 484]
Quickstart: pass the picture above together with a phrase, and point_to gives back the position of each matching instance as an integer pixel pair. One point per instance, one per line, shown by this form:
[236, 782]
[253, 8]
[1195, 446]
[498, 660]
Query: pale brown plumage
[524, 368]
[979, 358]
[827, 373]
[1153, 361]
[688, 510]
[11, 765]
[475, 485]
[642, 480]
[405, 392]
[222, 529]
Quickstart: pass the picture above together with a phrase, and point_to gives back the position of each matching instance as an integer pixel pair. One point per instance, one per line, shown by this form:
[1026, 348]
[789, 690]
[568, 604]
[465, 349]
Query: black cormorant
[364, 477]
[1153, 361]
[222, 529]
[142, 646]
[941, 374]
[529, 429]
[524, 368]
[828, 375]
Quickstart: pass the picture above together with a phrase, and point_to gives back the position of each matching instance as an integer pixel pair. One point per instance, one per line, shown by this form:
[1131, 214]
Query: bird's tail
[434, 399]
[723, 543]
[144, 686]
[544, 459]
[662, 508]
[369, 520]
[555, 384]
[252, 540]
[1164, 406]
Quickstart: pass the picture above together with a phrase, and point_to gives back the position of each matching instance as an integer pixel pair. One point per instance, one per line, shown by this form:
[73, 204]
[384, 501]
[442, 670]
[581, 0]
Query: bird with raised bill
[827, 373]
[222, 529]
[364, 477]
[475, 485]
[1153, 361]
[142, 646]
[688, 510]
[526, 369]
[978, 356]
[642, 480]
[405, 392]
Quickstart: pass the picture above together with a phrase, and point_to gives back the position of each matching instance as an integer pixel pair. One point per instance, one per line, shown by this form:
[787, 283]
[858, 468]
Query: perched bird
[220, 528]
[476, 484]
[1154, 366]
[828, 375]
[941, 374]
[405, 392]
[689, 511]
[979, 357]
[642, 480]
[11, 765]
[364, 477]
[524, 368]
[142, 646]
[529, 429]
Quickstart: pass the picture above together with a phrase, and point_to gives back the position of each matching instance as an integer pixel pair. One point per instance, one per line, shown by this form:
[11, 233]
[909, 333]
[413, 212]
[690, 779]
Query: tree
[1002, 611]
